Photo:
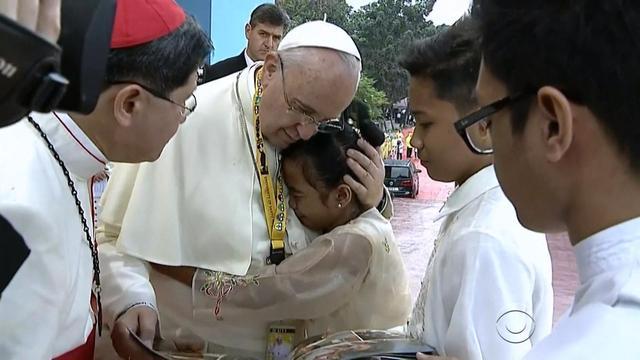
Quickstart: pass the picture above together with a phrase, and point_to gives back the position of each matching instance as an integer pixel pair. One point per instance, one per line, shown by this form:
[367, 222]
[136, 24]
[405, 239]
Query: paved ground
[415, 232]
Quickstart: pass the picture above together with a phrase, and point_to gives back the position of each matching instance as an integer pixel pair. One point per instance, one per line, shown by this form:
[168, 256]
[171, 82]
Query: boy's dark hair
[451, 59]
[164, 64]
[269, 14]
[589, 49]
[324, 156]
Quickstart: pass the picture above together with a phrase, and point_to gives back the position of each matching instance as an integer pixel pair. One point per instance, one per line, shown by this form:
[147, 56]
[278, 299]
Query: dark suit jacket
[224, 67]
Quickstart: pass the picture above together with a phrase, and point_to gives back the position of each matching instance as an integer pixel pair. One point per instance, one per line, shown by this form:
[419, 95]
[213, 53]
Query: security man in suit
[264, 31]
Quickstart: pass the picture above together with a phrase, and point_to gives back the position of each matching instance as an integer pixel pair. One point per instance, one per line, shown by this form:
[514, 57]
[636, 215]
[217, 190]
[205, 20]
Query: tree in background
[382, 30]
[301, 11]
[375, 99]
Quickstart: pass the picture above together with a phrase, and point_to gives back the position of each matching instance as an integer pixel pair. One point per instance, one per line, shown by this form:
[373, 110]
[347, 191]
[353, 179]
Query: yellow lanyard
[273, 201]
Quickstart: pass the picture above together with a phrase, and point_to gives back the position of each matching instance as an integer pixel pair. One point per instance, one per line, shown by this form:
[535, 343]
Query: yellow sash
[275, 209]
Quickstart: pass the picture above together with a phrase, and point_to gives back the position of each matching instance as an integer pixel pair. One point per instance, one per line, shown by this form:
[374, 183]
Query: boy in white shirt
[559, 87]
[487, 289]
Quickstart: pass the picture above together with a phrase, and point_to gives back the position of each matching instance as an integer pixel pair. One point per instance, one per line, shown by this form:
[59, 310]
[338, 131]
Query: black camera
[37, 75]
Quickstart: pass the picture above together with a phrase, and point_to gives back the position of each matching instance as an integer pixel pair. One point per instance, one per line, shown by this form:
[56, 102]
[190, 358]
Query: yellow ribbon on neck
[273, 200]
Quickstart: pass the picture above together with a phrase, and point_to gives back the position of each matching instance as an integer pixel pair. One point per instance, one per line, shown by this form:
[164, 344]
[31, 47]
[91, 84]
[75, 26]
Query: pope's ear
[271, 67]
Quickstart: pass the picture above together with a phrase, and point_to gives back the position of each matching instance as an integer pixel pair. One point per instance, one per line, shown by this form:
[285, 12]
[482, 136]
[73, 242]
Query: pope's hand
[369, 169]
[140, 319]
[40, 16]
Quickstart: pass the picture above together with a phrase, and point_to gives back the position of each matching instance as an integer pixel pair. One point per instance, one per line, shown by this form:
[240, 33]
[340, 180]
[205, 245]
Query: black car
[401, 178]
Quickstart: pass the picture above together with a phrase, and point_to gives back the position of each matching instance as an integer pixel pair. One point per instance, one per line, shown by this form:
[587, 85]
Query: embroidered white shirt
[488, 276]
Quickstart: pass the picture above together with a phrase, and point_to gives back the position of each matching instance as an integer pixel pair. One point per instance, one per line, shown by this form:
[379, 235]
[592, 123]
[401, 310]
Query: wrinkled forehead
[274, 30]
[324, 97]
[323, 75]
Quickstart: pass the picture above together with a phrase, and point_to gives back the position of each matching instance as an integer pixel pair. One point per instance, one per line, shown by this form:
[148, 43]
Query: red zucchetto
[141, 21]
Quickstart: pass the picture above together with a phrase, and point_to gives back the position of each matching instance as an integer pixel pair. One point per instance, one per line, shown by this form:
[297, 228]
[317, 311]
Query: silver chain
[92, 246]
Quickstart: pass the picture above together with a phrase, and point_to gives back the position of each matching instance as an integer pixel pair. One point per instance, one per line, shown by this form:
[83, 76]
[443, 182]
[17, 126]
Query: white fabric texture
[248, 59]
[350, 278]
[198, 205]
[486, 265]
[45, 311]
[604, 319]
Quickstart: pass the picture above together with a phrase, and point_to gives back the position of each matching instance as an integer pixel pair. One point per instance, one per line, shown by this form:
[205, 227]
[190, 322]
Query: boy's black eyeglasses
[463, 125]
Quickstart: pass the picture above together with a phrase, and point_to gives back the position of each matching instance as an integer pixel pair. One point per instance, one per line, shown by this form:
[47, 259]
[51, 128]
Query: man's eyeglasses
[326, 126]
[186, 109]
[465, 125]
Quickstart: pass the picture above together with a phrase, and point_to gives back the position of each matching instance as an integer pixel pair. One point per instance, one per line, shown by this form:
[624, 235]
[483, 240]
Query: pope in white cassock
[51, 161]
[215, 199]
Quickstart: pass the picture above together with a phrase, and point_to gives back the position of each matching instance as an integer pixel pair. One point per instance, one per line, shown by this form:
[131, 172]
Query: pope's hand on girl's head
[368, 167]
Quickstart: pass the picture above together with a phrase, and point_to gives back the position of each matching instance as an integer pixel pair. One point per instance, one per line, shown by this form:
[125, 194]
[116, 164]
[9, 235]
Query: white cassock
[198, 205]
[45, 311]
[487, 290]
[604, 320]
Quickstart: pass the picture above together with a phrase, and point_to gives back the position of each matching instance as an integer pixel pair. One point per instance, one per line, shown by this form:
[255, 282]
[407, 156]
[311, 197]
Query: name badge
[280, 341]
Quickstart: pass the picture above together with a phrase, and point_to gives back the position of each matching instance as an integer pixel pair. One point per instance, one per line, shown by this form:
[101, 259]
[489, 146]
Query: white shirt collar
[80, 155]
[609, 249]
[478, 184]
[247, 58]
[247, 79]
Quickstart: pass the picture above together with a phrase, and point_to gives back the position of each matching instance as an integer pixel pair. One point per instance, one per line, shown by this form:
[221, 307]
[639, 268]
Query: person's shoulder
[494, 214]
[370, 224]
[15, 135]
[31, 174]
[493, 202]
[33, 222]
[489, 225]
[24, 157]
[224, 68]
[211, 89]
[29, 189]
[230, 61]
[490, 249]
[212, 97]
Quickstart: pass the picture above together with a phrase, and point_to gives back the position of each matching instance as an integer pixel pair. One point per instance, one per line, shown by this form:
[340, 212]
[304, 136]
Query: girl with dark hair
[313, 171]
[350, 277]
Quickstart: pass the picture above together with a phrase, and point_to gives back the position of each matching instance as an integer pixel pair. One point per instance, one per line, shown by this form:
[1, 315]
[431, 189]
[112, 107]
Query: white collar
[246, 80]
[248, 59]
[609, 249]
[80, 155]
[478, 184]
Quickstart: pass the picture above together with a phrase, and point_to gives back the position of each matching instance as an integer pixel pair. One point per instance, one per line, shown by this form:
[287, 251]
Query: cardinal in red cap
[141, 21]
[54, 303]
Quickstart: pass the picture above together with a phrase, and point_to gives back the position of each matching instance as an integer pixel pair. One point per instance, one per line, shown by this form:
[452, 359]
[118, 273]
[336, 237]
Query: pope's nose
[306, 131]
